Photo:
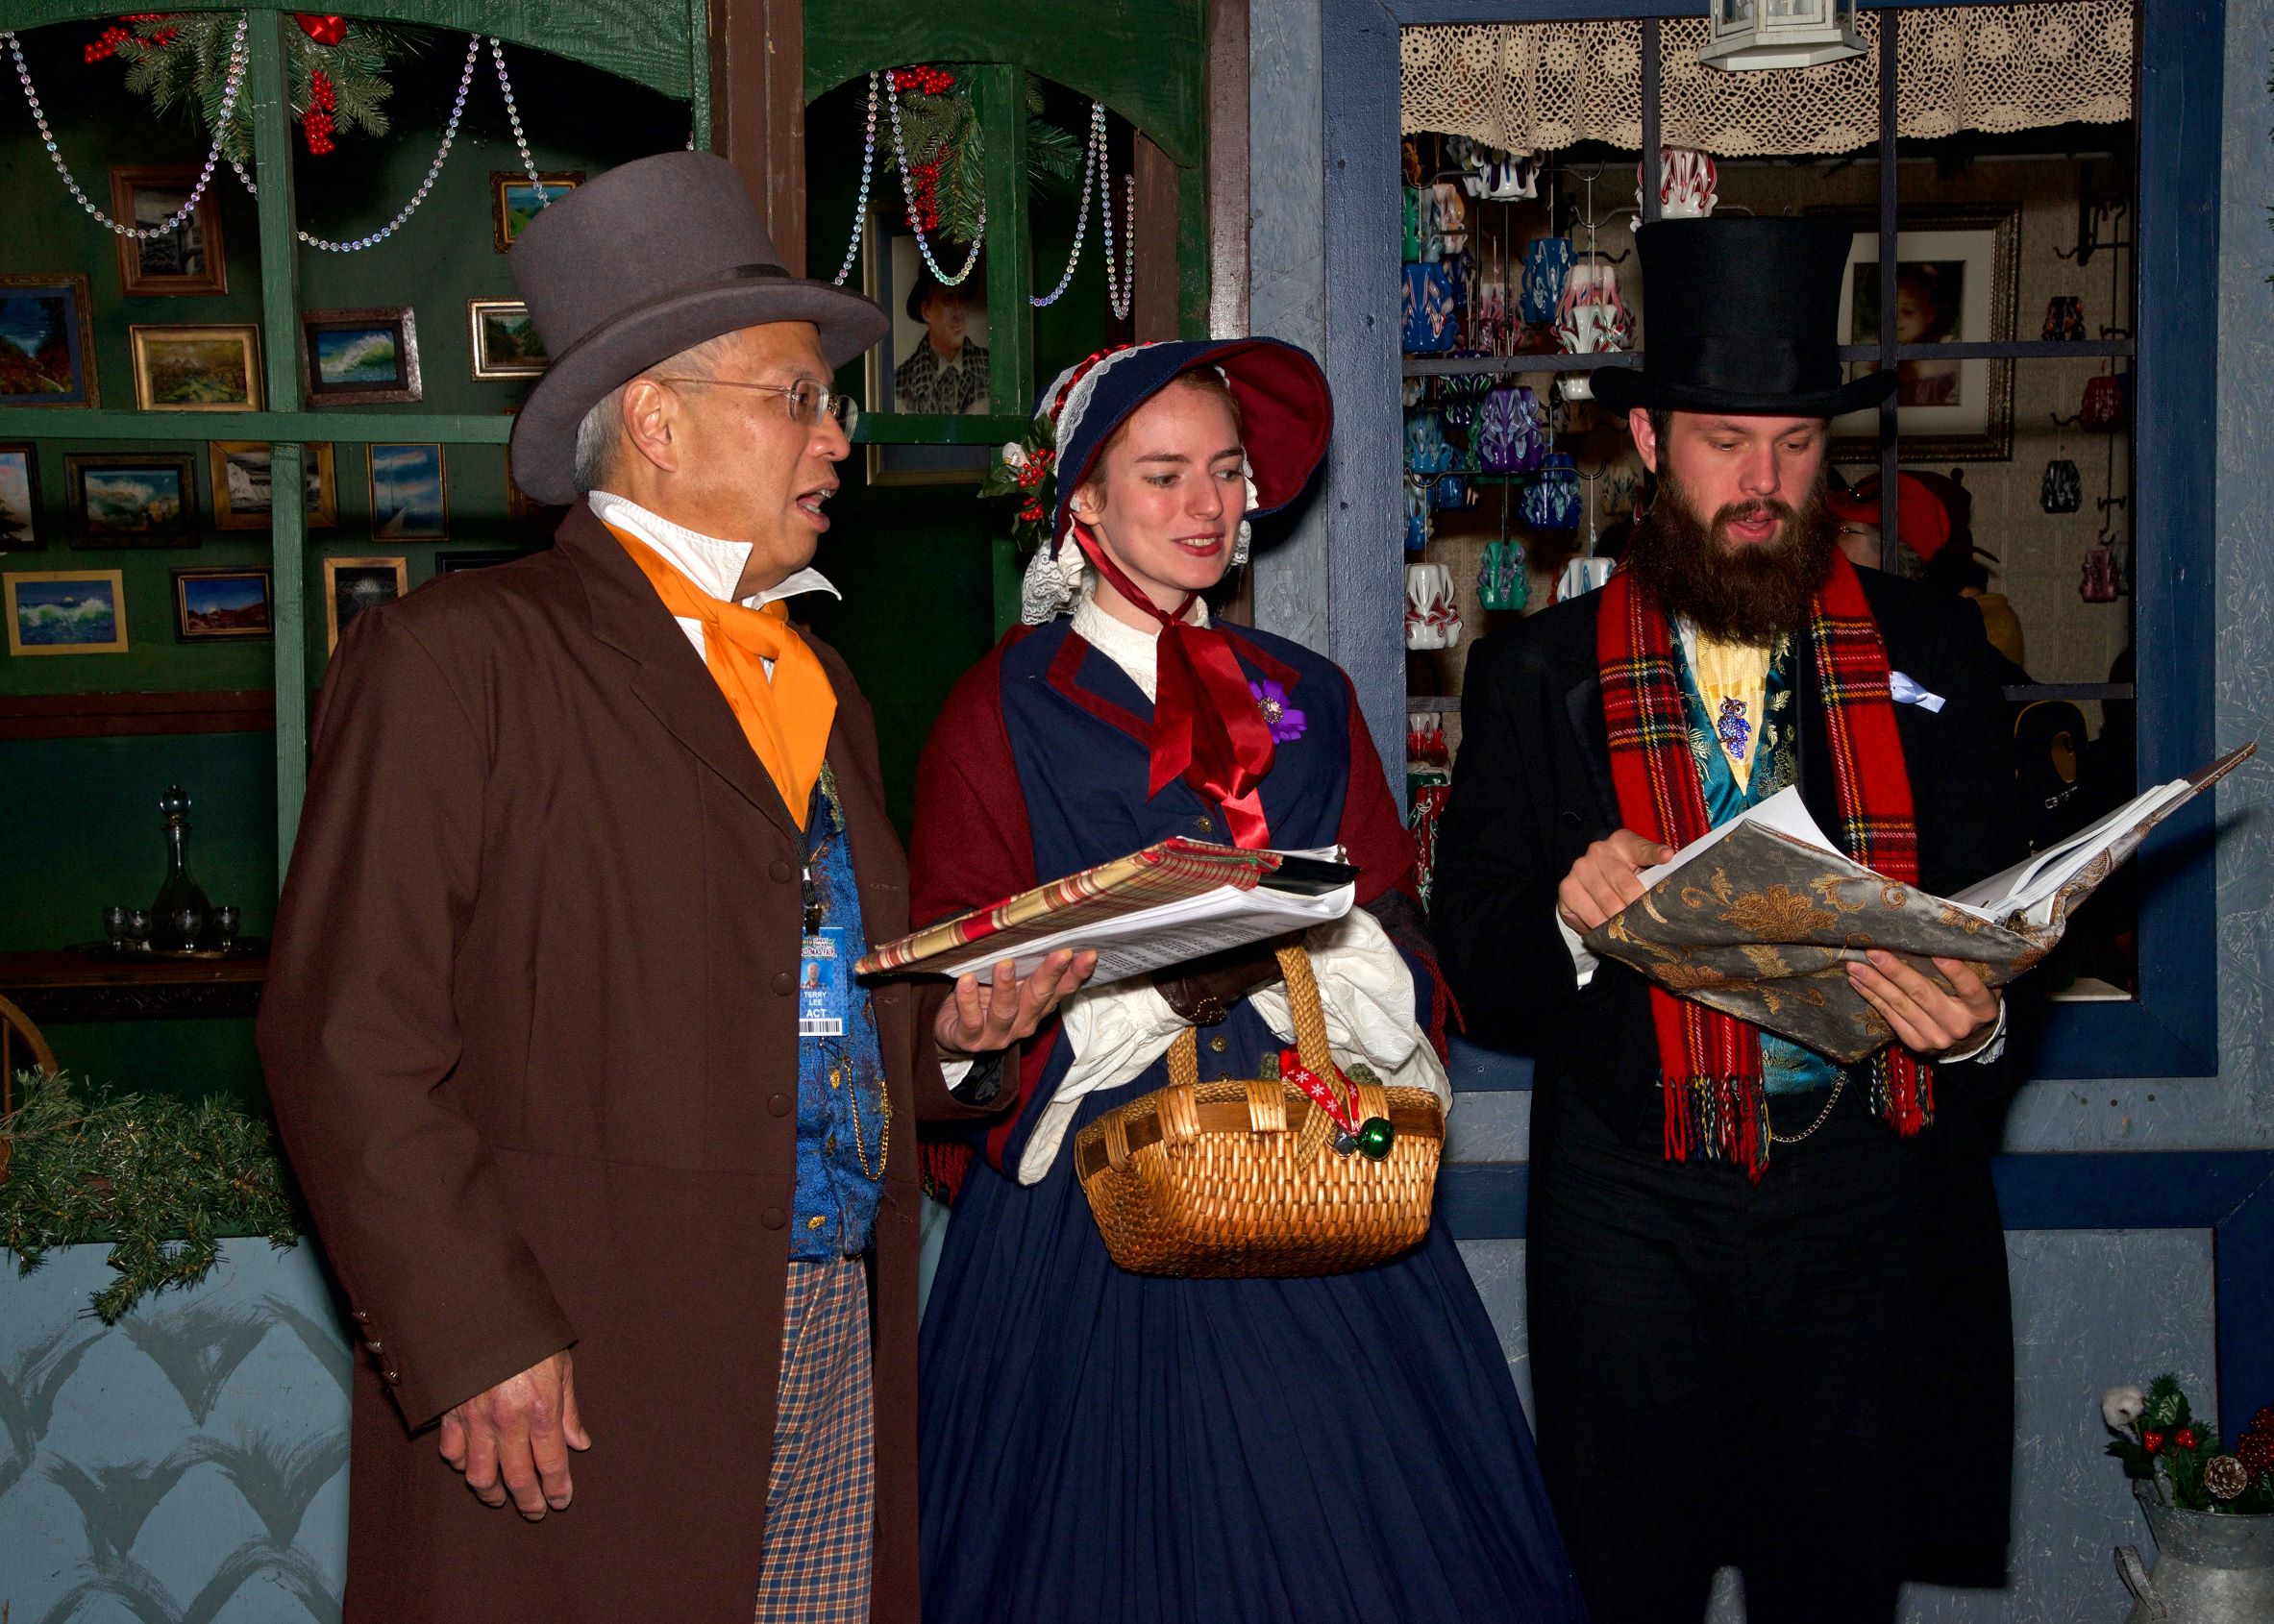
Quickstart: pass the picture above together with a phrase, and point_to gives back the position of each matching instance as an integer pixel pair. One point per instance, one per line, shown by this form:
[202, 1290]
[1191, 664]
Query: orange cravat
[786, 719]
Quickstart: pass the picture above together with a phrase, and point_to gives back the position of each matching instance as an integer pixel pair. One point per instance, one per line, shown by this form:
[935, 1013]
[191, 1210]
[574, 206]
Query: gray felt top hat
[645, 261]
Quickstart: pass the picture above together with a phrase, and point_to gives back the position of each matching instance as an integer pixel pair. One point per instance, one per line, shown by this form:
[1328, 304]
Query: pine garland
[181, 61]
[162, 1179]
[947, 151]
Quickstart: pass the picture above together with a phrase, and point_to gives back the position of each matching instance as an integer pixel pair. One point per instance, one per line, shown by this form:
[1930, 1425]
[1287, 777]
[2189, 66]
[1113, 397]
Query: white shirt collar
[1135, 648]
[714, 566]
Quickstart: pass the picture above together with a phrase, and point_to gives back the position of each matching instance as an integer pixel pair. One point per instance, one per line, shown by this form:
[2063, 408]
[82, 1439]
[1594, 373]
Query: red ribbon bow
[1206, 729]
[323, 30]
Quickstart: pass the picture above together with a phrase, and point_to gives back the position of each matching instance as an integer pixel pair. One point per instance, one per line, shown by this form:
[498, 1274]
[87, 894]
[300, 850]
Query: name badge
[823, 966]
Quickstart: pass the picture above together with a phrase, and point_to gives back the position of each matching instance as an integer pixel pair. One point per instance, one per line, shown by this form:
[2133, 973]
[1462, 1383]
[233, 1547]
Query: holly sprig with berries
[2158, 1438]
[1024, 472]
[336, 68]
[946, 152]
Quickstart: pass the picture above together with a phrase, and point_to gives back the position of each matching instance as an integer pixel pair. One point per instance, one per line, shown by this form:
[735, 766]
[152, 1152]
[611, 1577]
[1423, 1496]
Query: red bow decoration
[1206, 729]
[323, 30]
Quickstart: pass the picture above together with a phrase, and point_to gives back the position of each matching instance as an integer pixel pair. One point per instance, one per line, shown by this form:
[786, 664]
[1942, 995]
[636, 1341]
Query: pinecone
[2225, 1477]
[2256, 1451]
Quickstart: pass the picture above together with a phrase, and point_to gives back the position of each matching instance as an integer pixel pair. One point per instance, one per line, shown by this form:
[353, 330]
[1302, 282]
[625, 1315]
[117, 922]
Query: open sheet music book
[1760, 918]
[1175, 900]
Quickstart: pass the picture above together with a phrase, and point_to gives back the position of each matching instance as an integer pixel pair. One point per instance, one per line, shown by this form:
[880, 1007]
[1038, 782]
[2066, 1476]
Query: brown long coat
[530, 1035]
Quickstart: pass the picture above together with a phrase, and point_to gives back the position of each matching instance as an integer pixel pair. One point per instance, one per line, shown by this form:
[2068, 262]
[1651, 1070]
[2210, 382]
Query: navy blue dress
[1105, 1446]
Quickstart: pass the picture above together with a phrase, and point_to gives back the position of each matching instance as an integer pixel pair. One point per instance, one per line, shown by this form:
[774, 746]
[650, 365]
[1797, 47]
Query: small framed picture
[20, 496]
[506, 341]
[66, 611]
[451, 563]
[352, 585]
[210, 605]
[197, 368]
[47, 342]
[239, 472]
[522, 512]
[409, 493]
[132, 498]
[938, 364]
[187, 258]
[514, 200]
[360, 355]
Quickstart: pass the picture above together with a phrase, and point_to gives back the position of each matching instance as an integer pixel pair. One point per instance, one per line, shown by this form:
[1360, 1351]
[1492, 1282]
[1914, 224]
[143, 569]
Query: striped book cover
[1170, 872]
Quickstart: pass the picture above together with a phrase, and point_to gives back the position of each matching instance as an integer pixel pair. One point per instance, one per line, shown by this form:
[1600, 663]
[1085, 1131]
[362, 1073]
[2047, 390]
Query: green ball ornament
[1375, 1137]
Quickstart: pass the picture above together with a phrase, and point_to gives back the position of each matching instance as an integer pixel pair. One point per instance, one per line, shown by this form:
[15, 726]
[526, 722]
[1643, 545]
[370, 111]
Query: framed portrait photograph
[409, 493]
[937, 360]
[131, 498]
[352, 585]
[239, 470]
[1954, 282]
[66, 611]
[47, 342]
[185, 259]
[215, 606]
[20, 496]
[197, 368]
[505, 340]
[514, 202]
[362, 356]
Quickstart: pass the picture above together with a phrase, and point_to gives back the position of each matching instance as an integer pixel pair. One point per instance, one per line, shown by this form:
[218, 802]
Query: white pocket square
[1905, 692]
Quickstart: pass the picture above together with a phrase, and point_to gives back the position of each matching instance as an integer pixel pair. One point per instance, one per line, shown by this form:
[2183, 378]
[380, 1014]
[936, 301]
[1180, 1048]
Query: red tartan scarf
[1711, 1062]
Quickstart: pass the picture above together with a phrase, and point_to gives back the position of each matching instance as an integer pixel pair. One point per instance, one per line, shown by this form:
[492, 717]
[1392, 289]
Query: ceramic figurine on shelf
[1504, 582]
[1686, 183]
[1508, 438]
[1552, 500]
[1591, 317]
[1432, 617]
[1491, 175]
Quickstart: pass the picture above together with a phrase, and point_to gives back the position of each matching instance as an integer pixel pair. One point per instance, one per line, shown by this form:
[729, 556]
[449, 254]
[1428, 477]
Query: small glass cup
[137, 927]
[187, 924]
[114, 928]
[226, 920]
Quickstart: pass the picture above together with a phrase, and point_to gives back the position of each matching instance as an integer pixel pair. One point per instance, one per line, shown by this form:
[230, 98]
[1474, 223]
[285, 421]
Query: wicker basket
[1232, 1178]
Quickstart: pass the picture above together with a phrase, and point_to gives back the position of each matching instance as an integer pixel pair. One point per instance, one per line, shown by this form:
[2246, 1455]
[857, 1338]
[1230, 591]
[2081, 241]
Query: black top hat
[1742, 315]
[924, 287]
[645, 261]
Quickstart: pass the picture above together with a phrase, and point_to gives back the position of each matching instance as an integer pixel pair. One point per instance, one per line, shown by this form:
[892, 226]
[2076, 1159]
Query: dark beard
[1734, 592]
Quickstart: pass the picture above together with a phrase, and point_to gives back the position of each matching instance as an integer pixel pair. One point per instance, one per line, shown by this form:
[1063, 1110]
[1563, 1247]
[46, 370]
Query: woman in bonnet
[1109, 1446]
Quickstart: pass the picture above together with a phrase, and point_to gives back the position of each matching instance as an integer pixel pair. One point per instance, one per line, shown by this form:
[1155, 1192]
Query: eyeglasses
[809, 402]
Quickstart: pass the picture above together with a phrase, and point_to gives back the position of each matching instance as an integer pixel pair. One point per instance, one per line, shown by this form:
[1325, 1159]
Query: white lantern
[1751, 35]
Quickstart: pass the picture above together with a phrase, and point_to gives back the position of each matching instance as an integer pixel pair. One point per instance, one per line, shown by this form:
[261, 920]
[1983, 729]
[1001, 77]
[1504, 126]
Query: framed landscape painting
[409, 493]
[360, 355]
[514, 200]
[47, 342]
[352, 585]
[505, 340]
[239, 472]
[184, 258]
[66, 611]
[19, 497]
[197, 368]
[132, 498]
[215, 606]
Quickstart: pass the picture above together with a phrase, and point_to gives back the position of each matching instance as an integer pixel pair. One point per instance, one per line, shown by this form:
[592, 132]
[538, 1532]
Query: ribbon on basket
[1371, 1138]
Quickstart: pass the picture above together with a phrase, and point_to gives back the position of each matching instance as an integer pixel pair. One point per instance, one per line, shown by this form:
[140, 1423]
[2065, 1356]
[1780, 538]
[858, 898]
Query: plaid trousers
[821, 1497]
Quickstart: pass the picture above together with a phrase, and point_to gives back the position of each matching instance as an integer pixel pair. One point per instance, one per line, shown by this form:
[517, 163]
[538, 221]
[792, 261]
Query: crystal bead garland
[1121, 294]
[238, 59]
[1093, 160]
[867, 165]
[465, 83]
[528, 165]
[900, 152]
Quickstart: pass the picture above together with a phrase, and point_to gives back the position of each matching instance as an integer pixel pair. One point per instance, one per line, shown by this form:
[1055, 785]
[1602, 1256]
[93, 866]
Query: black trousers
[1727, 1371]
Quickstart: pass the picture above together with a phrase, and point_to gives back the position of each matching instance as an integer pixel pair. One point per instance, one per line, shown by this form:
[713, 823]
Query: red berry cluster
[1031, 473]
[923, 180]
[317, 122]
[924, 80]
[2256, 1451]
[117, 35]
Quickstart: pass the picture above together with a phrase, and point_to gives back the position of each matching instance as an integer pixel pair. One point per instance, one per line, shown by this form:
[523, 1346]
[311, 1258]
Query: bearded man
[1749, 1266]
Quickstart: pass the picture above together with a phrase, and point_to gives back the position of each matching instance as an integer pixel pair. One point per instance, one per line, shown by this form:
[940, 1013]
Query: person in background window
[1926, 313]
[947, 373]
[1933, 521]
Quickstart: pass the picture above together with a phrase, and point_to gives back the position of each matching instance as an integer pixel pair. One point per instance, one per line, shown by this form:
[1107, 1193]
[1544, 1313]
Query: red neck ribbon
[1206, 727]
[1711, 1062]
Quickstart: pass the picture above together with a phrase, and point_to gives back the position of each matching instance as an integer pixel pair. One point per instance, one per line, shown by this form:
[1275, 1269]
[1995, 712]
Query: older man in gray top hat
[596, 1130]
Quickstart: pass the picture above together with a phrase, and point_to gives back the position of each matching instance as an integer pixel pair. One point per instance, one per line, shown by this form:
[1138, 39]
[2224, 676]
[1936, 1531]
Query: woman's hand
[983, 1016]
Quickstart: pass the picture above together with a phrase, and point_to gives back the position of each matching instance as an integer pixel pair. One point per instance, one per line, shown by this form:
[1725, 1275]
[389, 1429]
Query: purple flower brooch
[1286, 723]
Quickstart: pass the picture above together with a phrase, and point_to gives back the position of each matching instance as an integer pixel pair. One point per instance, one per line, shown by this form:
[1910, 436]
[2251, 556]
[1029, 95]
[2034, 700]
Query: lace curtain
[1538, 86]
